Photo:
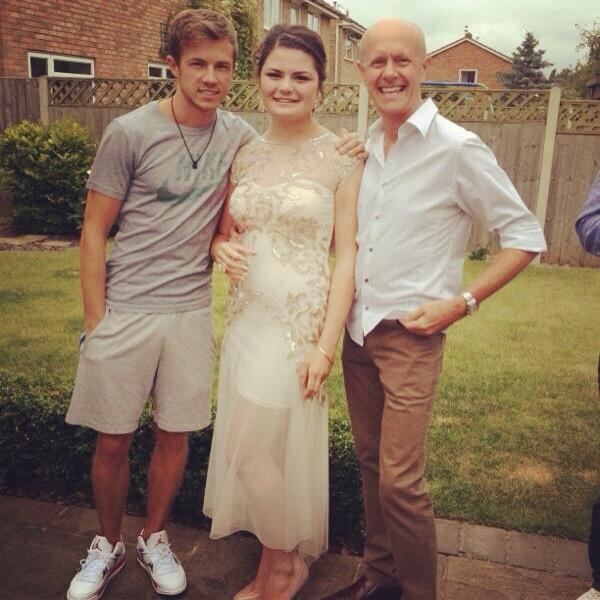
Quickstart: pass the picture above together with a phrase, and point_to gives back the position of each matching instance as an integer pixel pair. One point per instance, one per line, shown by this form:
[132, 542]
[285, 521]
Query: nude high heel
[299, 579]
[247, 594]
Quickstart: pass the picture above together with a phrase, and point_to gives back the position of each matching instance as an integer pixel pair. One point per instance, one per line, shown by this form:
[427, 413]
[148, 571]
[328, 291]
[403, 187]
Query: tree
[590, 43]
[527, 64]
[573, 80]
[243, 15]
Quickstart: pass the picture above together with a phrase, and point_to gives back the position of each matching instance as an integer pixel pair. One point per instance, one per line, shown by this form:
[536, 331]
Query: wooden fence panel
[511, 122]
[94, 119]
[19, 100]
[576, 163]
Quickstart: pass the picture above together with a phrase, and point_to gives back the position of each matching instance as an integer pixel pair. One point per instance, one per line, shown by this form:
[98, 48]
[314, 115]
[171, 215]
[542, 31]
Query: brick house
[83, 38]
[340, 33]
[107, 39]
[468, 61]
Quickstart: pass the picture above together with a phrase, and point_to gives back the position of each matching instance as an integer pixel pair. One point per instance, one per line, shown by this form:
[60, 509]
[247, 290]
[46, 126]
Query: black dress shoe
[363, 589]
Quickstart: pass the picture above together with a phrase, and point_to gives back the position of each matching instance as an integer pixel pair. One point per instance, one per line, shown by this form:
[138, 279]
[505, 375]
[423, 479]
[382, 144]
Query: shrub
[479, 254]
[43, 456]
[45, 170]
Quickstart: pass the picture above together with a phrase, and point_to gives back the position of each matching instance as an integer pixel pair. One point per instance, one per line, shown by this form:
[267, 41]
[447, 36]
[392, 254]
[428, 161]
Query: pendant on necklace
[194, 164]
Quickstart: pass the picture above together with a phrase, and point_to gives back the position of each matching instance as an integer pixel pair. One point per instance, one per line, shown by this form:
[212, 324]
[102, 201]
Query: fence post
[363, 111]
[541, 205]
[43, 93]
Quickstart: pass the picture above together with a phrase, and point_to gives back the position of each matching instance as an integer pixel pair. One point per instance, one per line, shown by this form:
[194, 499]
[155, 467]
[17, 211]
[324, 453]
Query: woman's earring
[261, 107]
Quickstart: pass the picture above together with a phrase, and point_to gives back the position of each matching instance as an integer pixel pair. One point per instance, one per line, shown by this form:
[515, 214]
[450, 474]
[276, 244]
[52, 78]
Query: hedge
[44, 167]
[43, 456]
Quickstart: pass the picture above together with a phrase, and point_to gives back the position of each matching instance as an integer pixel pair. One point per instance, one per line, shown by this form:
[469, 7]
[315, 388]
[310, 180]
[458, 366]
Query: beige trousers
[390, 385]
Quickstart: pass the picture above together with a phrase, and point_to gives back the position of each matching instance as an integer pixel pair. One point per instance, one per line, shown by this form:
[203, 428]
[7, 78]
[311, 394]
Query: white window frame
[461, 71]
[295, 7]
[313, 19]
[350, 47]
[271, 13]
[162, 67]
[50, 57]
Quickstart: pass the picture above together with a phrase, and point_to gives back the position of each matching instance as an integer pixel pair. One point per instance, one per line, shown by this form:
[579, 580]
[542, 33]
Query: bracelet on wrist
[329, 360]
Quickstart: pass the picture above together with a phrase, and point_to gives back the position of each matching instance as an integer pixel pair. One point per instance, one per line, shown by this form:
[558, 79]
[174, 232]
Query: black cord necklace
[195, 161]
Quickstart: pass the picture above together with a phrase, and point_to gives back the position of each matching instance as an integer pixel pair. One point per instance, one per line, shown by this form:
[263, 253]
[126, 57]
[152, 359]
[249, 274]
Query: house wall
[446, 65]
[346, 70]
[121, 37]
[347, 73]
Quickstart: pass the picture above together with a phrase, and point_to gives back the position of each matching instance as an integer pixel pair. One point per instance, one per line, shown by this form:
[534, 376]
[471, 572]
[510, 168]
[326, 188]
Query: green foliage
[43, 456]
[574, 80]
[45, 170]
[345, 499]
[527, 64]
[479, 254]
[243, 15]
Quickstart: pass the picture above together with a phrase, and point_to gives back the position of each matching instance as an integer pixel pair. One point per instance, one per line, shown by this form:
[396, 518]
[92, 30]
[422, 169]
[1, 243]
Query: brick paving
[36, 242]
[41, 545]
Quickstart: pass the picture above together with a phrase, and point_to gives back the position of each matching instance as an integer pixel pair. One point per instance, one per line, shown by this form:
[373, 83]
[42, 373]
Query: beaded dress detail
[268, 470]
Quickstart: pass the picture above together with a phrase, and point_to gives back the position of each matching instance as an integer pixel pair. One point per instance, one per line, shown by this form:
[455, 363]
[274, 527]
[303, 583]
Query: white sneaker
[591, 594]
[103, 562]
[156, 557]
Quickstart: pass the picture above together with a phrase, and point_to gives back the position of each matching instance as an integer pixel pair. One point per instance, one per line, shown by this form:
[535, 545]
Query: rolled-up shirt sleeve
[587, 224]
[485, 192]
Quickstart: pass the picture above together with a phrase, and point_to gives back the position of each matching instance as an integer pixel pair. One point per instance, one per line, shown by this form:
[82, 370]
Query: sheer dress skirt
[268, 470]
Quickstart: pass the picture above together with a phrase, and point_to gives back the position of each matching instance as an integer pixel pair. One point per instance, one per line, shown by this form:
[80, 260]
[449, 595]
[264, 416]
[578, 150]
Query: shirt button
[366, 280]
[376, 217]
[370, 249]
[366, 308]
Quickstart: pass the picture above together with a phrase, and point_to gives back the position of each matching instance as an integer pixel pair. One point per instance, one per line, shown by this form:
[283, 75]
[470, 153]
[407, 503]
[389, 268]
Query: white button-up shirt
[415, 211]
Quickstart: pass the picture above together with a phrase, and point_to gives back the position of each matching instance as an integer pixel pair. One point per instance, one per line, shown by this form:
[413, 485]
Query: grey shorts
[130, 357]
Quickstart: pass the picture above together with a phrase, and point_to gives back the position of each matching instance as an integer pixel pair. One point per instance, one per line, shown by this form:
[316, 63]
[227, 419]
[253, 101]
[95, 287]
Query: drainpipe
[337, 51]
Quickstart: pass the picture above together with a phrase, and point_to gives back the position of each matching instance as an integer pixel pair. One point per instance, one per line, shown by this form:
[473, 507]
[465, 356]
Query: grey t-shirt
[160, 260]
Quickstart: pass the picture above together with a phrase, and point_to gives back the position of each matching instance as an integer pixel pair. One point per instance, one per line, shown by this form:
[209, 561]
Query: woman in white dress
[291, 192]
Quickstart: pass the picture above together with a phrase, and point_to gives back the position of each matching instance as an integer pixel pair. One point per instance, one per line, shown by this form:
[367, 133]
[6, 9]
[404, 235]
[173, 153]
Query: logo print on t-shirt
[187, 183]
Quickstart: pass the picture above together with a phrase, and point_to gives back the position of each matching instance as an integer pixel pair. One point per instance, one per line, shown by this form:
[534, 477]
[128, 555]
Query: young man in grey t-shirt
[162, 170]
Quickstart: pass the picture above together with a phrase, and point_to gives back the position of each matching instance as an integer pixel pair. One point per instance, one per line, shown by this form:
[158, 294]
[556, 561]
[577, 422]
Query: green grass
[514, 440]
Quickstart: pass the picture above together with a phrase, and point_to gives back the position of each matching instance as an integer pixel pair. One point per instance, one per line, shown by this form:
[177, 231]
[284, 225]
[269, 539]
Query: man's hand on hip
[434, 317]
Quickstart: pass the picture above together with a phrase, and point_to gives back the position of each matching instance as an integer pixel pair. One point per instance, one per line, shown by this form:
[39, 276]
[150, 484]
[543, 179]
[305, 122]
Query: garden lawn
[514, 440]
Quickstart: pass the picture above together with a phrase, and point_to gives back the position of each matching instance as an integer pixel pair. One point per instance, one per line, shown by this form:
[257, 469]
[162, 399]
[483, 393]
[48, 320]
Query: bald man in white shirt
[424, 183]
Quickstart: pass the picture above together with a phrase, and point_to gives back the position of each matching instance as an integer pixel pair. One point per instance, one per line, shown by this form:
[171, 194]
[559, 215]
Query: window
[350, 47]
[294, 15]
[467, 76]
[55, 65]
[313, 22]
[272, 13]
[156, 71]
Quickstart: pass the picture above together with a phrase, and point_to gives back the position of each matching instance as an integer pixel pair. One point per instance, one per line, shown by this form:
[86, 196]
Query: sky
[500, 24]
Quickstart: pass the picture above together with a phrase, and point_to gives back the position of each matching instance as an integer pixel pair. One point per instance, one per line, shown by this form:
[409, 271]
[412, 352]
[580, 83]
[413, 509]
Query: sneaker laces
[162, 558]
[94, 564]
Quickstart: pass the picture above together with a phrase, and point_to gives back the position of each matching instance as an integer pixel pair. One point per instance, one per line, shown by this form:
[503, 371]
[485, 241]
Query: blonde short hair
[191, 25]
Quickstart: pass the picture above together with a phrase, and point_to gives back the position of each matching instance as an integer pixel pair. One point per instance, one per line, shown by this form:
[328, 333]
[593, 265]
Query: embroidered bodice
[283, 206]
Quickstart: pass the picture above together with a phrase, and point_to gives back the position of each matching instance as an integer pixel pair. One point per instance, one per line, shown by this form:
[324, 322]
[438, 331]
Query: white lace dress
[268, 470]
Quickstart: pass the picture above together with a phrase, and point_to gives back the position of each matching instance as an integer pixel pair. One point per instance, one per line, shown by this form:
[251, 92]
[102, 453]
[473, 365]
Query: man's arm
[485, 193]
[433, 317]
[588, 222]
[100, 214]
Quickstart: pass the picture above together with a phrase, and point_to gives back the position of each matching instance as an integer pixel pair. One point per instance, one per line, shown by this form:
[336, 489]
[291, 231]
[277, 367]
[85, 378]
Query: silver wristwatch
[472, 305]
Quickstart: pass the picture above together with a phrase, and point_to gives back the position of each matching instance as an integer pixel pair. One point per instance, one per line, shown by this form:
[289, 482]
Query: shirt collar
[421, 119]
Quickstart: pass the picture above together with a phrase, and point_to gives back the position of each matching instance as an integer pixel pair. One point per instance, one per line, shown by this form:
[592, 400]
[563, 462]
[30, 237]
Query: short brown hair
[296, 37]
[191, 25]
